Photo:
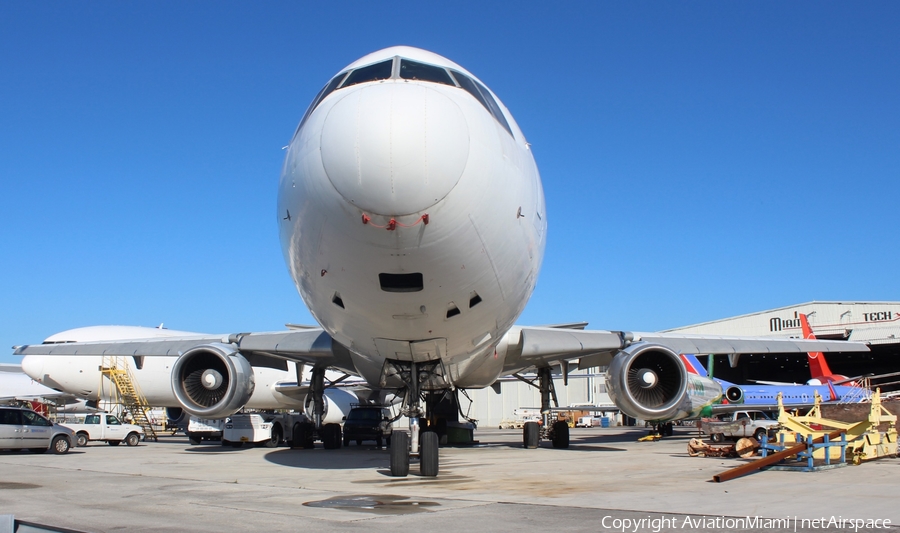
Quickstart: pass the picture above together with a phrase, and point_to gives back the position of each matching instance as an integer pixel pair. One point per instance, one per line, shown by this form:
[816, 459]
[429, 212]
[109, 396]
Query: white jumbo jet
[275, 380]
[412, 221]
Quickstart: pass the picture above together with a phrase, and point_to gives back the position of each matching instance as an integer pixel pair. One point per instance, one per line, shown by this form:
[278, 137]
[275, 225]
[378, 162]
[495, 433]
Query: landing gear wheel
[717, 437]
[133, 439]
[81, 440]
[194, 440]
[347, 442]
[429, 459]
[531, 435]
[331, 436]
[668, 429]
[303, 436]
[400, 454]
[275, 439]
[560, 434]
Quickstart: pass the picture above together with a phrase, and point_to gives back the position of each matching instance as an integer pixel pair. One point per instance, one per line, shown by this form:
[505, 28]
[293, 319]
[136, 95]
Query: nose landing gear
[416, 443]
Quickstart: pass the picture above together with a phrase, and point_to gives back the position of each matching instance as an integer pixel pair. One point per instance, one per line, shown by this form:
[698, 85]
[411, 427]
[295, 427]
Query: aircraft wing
[534, 346]
[311, 345]
[299, 391]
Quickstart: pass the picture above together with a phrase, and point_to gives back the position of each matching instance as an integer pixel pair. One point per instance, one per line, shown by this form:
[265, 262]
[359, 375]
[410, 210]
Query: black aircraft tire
[331, 436]
[531, 435]
[429, 456]
[400, 454]
[302, 436]
[274, 438]
[560, 434]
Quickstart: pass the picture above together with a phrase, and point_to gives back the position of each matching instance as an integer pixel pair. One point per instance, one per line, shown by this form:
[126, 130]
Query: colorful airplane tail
[818, 367]
[693, 366]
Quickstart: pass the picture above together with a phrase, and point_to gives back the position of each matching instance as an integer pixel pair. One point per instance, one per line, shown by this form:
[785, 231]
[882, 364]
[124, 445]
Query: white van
[23, 428]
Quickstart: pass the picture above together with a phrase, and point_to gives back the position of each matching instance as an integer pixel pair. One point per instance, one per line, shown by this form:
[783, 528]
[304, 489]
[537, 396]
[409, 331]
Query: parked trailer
[269, 429]
[200, 429]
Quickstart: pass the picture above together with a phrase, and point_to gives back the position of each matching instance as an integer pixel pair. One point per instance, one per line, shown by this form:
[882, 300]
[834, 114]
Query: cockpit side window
[328, 89]
[481, 94]
[378, 71]
[412, 70]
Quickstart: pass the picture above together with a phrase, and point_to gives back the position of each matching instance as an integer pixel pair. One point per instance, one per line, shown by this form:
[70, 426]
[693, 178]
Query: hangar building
[874, 323]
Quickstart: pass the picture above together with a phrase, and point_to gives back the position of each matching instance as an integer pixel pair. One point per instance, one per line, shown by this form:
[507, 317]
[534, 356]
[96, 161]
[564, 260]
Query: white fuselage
[413, 152]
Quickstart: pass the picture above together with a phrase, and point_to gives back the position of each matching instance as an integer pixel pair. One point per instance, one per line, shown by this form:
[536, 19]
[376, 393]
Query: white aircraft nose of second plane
[33, 366]
[395, 148]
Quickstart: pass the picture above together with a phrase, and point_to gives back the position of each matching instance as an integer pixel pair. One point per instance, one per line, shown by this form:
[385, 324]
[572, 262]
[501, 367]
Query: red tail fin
[817, 366]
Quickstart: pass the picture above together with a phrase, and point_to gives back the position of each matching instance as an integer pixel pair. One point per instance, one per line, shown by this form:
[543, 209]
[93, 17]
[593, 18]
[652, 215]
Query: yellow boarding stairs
[864, 439]
[128, 393]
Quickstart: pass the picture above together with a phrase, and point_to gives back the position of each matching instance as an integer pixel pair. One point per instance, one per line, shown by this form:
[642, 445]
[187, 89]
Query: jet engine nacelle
[649, 382]
[175, 416]
[337, 405]
[734, 394]
[212, 380]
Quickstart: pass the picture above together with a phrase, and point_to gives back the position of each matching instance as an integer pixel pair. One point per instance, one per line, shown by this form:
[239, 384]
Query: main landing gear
[416, 443]
[304, 434]
[556, 432]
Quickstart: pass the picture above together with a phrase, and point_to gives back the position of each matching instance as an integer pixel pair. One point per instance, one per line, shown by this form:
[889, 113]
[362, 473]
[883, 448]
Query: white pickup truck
[739, 424]
[106, 427]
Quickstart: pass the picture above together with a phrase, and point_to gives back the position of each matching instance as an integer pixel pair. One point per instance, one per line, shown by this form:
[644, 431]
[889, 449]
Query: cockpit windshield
[410, 70]
[378, 71]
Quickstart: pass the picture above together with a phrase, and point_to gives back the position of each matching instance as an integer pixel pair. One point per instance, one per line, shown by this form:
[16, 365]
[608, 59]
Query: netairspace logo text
[715, 523]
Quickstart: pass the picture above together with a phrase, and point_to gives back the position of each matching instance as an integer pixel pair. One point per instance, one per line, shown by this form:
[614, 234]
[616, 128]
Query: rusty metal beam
[771, 459]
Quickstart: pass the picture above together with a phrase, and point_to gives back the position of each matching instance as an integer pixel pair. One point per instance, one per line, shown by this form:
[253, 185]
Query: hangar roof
[870, 322]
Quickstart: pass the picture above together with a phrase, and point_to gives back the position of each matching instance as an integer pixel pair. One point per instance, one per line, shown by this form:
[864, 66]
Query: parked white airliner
[412, 221]
[275, 388]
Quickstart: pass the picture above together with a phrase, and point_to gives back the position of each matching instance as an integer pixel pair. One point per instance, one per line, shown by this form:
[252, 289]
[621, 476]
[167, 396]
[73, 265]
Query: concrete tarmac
[606, 481]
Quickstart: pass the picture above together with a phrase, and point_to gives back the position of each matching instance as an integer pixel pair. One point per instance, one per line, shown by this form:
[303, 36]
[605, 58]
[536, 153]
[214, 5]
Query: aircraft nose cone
[648, 378]
[211, 379]
[394, 148]
[33, 365]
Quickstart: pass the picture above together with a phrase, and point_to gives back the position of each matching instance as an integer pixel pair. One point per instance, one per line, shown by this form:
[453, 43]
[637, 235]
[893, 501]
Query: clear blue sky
[700, 160]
